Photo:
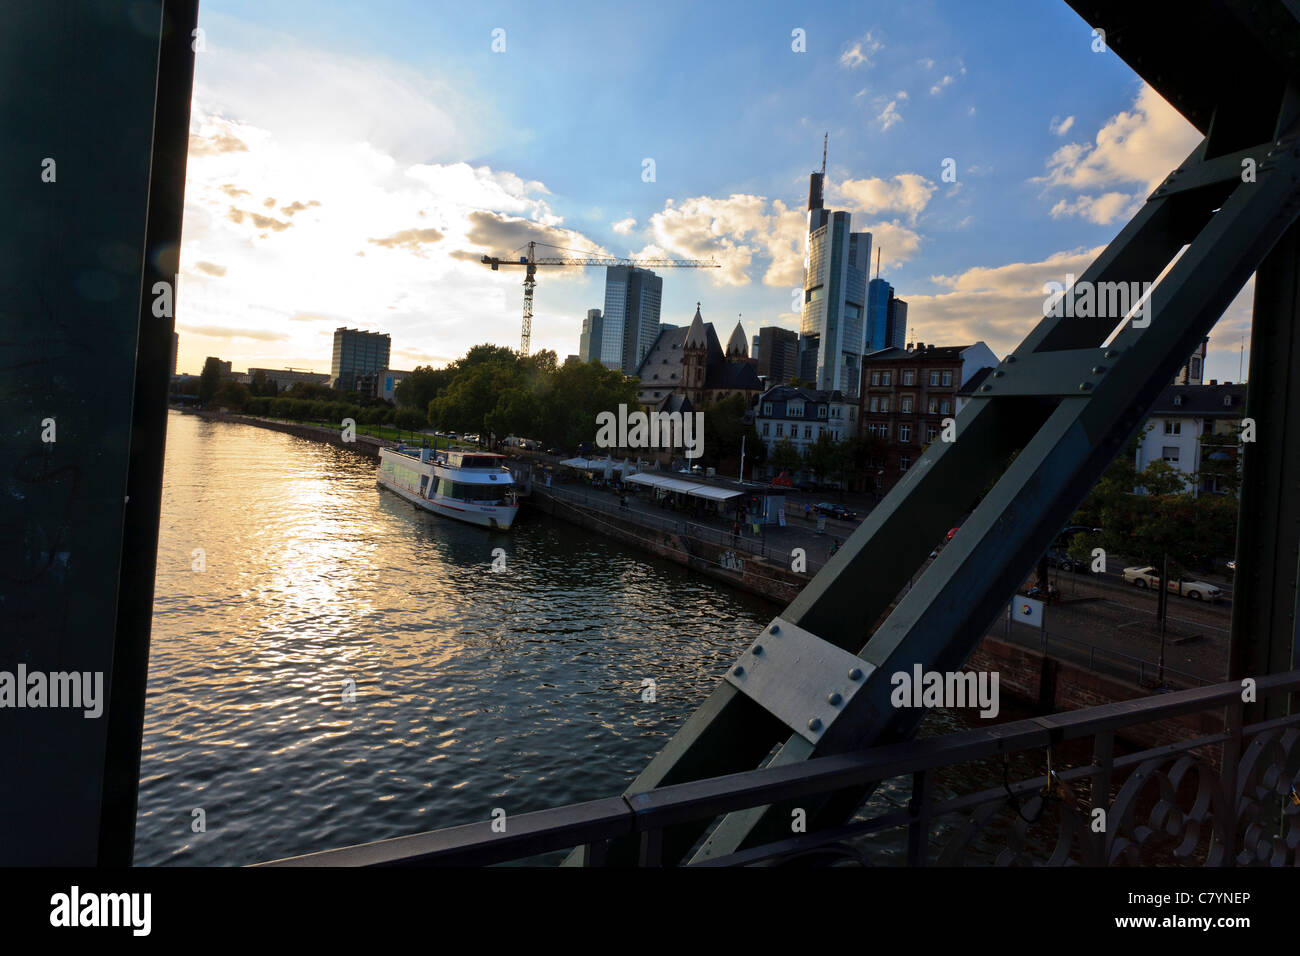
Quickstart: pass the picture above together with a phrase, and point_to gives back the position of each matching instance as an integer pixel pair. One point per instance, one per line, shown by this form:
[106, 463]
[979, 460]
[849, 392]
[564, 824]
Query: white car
[1196, 590]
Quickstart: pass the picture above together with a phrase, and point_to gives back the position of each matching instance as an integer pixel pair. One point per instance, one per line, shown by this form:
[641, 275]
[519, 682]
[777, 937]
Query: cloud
[623, 226]
[893, 239]
[1137, 146]
[233, 191]
[939, 87]
[907, 193]
[1059, 127]
[227, 332]
[210, 268]
[861, 52]
[213, 142]
[258, 220]
[497, 234]
[297, 206]
[998, 305]
[1099, 209]
[735, 231]
[925, 63]
[413, 240]
[889, 116]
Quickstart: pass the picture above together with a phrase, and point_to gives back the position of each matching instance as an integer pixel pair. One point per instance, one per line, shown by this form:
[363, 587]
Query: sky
[350, 163]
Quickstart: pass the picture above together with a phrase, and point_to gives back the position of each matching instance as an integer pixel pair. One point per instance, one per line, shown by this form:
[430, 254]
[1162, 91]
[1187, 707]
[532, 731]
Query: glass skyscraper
[886, 317]
[358, 359]
[832, 334]
[631, 316]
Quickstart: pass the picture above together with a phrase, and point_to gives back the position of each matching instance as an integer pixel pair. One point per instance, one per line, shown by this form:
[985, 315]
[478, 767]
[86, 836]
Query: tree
[421, 387]
[209, 379]
[1220, 462]
[231, 394]
[725, 429]
[785, 457]
[825, 456]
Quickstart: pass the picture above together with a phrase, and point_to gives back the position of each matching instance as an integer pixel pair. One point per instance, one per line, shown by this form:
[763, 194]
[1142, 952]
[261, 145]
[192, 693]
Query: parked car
[835, 511]
[949, 535]
[1056, 558]
[1196, 590]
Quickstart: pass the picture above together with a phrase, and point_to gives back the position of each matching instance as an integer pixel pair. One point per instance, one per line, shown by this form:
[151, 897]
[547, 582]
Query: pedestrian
[735, 532]
[807, 511]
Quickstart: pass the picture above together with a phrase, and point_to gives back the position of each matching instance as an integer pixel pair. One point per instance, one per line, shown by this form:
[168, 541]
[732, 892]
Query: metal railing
[1242, 809]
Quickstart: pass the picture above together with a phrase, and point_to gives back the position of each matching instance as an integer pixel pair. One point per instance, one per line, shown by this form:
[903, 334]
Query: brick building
[906, 394]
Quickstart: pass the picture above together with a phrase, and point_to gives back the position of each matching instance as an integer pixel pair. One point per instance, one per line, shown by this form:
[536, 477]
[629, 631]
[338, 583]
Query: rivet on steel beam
[1109, 353]
[738, 670]
[986, 388]
[1010, 359]
[1098, 369]
[999, 373]
[758, 649]
[815, 724]
[775, 629]
[1085, 386]
[855, 674]
[834, 700]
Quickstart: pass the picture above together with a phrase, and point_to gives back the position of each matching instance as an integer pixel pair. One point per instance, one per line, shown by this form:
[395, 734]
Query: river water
[331, 665]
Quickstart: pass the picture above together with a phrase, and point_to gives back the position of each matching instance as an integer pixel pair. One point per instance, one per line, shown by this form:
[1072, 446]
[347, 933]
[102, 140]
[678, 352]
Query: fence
[1246, 813]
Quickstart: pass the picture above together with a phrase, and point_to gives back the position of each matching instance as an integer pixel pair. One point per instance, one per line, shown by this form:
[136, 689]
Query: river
[330, 665]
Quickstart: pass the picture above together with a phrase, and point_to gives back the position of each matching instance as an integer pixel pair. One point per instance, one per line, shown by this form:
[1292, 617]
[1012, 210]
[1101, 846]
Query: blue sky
[350, 162]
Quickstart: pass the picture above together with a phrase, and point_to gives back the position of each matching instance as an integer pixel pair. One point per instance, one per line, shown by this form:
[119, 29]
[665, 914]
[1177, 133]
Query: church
[686, 369]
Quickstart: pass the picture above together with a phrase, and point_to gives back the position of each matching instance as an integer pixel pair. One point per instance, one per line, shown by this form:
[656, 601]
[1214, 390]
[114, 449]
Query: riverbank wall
[766, 575]
[362, 444]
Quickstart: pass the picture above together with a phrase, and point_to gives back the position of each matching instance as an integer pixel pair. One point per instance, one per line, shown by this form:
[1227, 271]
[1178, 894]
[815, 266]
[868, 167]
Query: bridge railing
[1223, 798]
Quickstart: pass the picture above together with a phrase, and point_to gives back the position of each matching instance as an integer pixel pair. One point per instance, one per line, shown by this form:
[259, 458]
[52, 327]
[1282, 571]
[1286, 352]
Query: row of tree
[1197, 532]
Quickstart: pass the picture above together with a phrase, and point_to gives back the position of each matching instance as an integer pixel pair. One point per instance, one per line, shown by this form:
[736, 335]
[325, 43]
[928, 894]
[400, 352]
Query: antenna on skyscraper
[878, 250]
[825, 140]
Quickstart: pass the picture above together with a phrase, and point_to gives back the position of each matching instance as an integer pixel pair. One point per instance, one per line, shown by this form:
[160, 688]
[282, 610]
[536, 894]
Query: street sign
[1027, 610]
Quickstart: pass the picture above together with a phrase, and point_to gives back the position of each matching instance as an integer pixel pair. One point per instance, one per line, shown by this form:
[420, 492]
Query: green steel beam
[945, 615]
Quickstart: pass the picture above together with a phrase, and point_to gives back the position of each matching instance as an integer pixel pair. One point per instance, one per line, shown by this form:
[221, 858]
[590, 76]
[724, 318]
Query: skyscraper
[589, 344]
[776, 350]
[631, 317]
[358, 359]
[886, 317]
[832, 331]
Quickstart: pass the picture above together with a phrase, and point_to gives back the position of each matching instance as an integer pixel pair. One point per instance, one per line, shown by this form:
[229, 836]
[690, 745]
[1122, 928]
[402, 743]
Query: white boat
[471, 486]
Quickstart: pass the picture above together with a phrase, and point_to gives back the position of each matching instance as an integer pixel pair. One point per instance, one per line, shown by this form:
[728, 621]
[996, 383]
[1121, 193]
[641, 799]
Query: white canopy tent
[681, 486]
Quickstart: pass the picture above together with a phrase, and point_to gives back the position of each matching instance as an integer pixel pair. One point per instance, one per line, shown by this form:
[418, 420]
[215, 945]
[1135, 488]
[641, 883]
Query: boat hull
[496, 516]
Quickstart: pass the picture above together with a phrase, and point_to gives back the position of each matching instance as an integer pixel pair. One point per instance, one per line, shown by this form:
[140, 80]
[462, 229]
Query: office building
[777, 352]
[176, 345]
[589, 344]
[832, 333]
[631, 316]
[284, 378]
[359, 358]
[886, 317]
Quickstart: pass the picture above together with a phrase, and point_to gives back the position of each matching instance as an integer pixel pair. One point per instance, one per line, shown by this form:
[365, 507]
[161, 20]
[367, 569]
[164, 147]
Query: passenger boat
[471, 486]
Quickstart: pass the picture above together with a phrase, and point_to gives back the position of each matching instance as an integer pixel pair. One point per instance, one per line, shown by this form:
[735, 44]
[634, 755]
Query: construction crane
[532, 261]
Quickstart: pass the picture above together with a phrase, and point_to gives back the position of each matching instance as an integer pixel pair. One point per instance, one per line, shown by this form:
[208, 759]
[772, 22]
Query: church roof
[737, 345]
[696, 337]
